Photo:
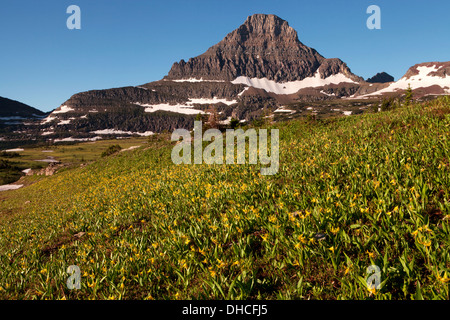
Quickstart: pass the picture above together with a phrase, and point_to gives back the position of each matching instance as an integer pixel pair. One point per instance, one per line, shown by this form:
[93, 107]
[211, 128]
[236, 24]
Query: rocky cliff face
[265, 46]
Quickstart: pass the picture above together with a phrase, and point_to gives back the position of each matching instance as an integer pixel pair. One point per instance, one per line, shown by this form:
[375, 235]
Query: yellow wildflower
[372, 290]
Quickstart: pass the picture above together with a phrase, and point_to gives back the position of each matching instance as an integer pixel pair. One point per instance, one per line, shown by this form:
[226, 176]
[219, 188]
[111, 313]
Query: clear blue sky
[131, 42]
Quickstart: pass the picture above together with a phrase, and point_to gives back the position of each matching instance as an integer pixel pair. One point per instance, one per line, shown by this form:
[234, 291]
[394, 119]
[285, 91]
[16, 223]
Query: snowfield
[178, 108]
[214, 100]
[130, 148]
[63, 109]
[70, 139]
[327, 94]
[283, 110]
[187, 108]
[195, 80]
[114, 131]
[10, 187]
[62, 122]
[292, 86]
[48, 119]
[240, 94]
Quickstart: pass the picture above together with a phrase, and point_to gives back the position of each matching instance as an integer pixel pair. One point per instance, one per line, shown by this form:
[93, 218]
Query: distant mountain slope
[381, 77]
[13, 108]
[256, 69]
[429, 78]
[264, 53]
[19, 123]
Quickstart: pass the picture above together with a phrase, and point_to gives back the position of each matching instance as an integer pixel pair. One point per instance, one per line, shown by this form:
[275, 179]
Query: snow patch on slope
[178, 108]
[240, 94]
[195, 80]
[10, 187]
[292, 86]
[186, 108]
[48, 119]
[211, 101]
[422, 79]
[70, 139]
[14, 150]
[64, 109]
[283, 109]
[114, 131]
[62, 122]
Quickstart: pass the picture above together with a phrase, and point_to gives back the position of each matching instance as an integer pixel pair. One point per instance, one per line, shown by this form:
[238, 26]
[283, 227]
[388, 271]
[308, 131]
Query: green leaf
[418, 294]
[405, 267]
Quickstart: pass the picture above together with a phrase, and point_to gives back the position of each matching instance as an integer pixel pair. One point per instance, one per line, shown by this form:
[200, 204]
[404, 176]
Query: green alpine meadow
[353, 194]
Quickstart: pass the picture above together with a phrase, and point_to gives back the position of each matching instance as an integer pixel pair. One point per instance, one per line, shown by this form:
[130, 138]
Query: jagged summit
[381, 77]
[264, 46]
[270, 26]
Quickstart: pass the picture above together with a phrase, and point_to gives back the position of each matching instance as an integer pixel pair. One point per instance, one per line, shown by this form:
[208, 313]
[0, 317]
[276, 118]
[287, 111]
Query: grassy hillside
[351, 192]
[69, 154]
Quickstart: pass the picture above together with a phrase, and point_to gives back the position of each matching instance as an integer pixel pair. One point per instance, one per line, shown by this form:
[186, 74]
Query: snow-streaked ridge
[64, 109]
[421, 80]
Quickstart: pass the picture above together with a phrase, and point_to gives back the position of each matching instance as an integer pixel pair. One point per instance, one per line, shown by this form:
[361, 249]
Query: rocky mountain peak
[271, 27]
[264, 46]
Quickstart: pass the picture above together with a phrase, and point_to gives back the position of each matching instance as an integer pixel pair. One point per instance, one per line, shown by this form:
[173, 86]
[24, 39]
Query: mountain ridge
[10, 107]
[381, 77]
[259, 67]
[264, 46]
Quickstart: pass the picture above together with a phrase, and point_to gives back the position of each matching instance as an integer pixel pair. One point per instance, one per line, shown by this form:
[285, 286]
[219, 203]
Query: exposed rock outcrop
[381, 77]
[265, 46]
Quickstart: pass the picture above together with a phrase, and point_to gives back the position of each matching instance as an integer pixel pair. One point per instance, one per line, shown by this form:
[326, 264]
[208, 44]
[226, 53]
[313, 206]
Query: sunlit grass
[351, 192]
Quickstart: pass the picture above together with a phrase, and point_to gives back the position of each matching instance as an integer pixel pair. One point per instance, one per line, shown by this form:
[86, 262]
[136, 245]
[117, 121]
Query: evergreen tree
[408, 95]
